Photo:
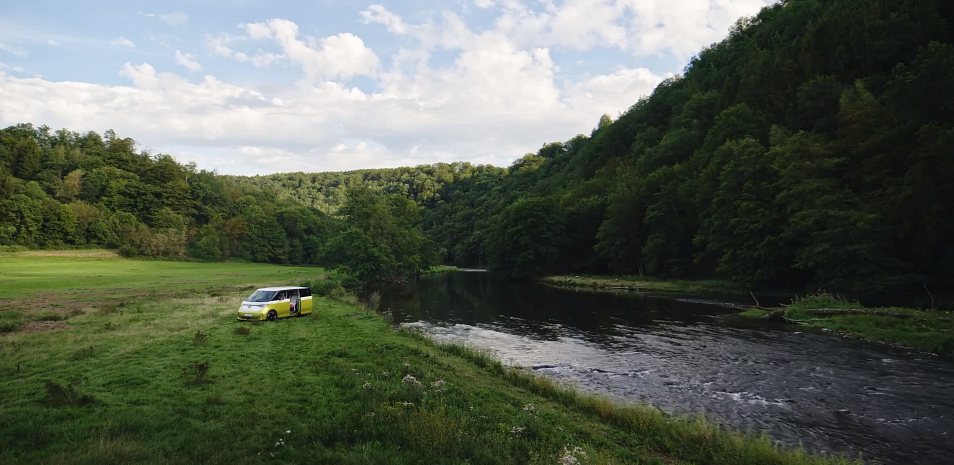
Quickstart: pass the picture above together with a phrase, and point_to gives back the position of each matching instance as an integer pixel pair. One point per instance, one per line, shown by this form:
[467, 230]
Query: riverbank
[643, 283]
[925, 331]
[173, 378]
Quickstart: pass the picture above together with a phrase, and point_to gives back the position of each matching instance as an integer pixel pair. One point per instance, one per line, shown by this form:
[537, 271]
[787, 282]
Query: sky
[259, 87]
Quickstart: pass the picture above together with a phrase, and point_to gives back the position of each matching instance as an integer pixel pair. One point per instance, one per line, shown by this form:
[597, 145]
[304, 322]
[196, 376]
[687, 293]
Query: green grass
[927, 331]
[440, 269]
[173, 379]
[754, 313]
[645, 283]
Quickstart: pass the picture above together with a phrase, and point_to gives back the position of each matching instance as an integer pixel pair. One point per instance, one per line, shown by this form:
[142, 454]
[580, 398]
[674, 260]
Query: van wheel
[272, 316]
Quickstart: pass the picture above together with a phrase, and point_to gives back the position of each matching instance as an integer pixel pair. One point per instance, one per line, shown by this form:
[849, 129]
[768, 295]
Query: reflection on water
[687, 355]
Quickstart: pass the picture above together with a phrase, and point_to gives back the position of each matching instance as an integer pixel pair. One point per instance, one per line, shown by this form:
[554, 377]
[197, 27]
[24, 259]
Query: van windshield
[261, 296]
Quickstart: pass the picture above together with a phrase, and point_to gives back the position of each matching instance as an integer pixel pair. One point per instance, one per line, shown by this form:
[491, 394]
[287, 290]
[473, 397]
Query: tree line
[65, 189]
[810, 148]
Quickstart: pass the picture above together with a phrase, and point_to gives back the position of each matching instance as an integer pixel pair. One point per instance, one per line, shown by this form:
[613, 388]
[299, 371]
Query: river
[689, 354]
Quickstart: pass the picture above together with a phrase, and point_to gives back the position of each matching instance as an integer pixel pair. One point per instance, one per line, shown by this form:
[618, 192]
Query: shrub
[196, 372]
[128, 251]
[9, 326]
[58, 395]
[109, 309]
[243, 330]
[110, 326]
[325, 288]
[83, 353]
[374, 301]
[199, 338]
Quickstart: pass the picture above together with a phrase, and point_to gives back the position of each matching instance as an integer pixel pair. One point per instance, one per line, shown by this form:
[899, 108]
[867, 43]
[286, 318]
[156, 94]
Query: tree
[26, 159]
[527, 238]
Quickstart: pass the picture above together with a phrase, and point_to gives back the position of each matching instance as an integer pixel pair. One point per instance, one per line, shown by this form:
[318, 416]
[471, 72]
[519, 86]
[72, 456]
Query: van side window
[306, 292]
[281, 296]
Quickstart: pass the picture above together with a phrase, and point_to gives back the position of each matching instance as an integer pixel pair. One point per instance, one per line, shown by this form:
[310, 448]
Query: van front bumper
[251, 316]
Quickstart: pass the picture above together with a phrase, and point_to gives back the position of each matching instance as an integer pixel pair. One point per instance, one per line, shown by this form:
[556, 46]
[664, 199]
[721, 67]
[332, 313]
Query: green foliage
[381, 243]
[929, 331]
[525, 241]
[808, 149]
[325, 287]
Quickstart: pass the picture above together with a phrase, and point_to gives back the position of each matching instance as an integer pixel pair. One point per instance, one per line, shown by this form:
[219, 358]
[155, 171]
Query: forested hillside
[810, 148]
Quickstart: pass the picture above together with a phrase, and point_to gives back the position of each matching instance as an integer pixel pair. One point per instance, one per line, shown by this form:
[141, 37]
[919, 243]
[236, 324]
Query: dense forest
[810, 148]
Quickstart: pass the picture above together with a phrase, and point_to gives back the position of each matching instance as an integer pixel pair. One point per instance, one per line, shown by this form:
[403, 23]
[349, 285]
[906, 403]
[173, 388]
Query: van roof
[281, 288]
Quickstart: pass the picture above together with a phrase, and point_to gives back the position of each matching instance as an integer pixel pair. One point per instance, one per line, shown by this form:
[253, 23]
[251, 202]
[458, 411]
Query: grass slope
[645, 283]
[926, 331]
[173, 379]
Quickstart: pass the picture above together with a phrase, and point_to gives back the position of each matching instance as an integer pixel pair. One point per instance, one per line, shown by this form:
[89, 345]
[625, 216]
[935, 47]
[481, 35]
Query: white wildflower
[529, 408]
[366, 385]
[516, 430]
[572, 457]
[411, 380]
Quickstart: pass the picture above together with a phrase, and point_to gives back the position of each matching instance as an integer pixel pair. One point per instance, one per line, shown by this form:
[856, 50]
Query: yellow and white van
[272, 303]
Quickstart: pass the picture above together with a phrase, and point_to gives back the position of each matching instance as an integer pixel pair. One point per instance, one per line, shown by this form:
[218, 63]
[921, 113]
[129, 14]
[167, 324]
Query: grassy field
[927, 331]
[645, 283]
[172, 378]
[38, 289]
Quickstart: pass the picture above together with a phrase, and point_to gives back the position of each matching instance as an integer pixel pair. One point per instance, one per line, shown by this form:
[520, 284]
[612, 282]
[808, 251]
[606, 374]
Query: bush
[325, 288]
[109, 309]
[58, 395]
[243, 330]
[195, 372]
[84, 353]
[128, 251]
[199, 338]
[9, 326]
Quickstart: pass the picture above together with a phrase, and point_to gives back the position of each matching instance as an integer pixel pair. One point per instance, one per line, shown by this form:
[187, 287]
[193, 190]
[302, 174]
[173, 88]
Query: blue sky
[255, 87]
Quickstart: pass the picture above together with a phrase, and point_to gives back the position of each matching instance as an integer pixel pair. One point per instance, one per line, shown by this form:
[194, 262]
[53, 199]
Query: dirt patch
[31, 327]
[68, 253]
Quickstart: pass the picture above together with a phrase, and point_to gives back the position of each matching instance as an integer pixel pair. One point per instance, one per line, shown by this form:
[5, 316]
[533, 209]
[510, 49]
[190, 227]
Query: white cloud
[501, 95]
[219, 44]
[12, 68]
[16, 51]
[165, 40]
[338, 56]
[377, 14]
[123, 42]
[53, 42]
[643, 27]
[176, 19]
[484, 3]
[187, 60]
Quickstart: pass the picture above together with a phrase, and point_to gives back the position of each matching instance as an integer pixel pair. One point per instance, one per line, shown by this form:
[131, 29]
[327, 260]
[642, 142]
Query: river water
[687, 355]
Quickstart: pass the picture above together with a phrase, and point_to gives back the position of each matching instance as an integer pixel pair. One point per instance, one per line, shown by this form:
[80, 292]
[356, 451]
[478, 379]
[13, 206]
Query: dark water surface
[686, 355]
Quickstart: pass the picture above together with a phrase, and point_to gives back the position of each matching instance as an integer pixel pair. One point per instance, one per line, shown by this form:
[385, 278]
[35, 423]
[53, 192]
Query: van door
[306, 300]
[281, 306]
[294, 306]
